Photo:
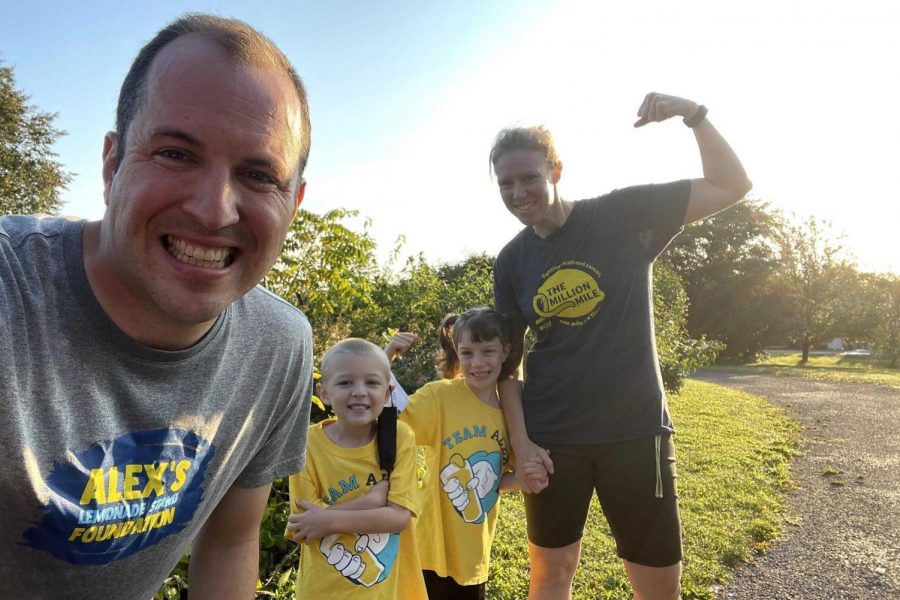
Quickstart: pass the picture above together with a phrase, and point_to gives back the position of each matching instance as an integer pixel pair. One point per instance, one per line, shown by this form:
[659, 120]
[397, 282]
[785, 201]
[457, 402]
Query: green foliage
[279, 557]
[876, 315]
[30, 177]
[756, 281]
[679, 354]
[733, 452]
[325, 269]
[727, 263]
[416, 300]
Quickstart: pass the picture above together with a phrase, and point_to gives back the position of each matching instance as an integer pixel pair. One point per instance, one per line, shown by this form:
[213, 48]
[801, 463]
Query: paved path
[843, 540]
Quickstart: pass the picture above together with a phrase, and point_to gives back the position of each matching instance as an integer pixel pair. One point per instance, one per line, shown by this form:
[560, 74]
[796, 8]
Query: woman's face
[526, 185]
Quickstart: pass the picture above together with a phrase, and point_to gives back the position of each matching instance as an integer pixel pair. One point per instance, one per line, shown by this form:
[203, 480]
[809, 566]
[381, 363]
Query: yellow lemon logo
[568, 293]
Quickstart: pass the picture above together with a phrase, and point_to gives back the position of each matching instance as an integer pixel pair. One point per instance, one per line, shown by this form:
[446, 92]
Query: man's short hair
[244, 46]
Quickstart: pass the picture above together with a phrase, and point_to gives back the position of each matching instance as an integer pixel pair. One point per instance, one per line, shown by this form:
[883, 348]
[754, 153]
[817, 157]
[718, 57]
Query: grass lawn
[829, 367]
[733, 456]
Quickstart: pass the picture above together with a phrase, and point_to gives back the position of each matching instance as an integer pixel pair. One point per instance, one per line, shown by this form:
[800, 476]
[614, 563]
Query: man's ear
[301, 191]
[110, 162]
[556, 173]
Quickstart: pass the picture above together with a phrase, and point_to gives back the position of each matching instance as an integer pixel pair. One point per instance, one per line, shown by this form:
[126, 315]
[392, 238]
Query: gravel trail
[843, 537]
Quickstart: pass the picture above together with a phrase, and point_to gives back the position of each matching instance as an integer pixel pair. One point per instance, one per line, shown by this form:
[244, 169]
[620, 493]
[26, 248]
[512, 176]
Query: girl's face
[480, 362]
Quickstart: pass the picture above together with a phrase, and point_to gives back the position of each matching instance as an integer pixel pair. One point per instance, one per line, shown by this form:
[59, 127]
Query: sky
[406, 98]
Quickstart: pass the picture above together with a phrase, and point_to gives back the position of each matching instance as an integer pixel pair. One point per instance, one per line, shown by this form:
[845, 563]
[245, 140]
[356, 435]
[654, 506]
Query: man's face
[198, 206]
[526, 185]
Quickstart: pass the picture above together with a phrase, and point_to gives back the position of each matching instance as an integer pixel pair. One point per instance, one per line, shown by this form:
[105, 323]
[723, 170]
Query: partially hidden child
[351, 507]
[467, 452]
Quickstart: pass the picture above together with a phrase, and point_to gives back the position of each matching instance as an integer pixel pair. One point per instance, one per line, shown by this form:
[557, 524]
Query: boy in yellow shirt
[353, 516]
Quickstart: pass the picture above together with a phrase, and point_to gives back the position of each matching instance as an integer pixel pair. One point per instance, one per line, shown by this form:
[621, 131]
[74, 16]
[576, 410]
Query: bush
[679, 354]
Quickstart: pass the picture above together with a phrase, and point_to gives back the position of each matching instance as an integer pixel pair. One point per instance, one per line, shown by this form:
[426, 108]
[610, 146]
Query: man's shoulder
[262, 320]
[263, 308]
[18, 228]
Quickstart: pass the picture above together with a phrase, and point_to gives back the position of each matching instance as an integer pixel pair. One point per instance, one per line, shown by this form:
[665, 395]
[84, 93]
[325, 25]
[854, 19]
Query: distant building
[836, 344]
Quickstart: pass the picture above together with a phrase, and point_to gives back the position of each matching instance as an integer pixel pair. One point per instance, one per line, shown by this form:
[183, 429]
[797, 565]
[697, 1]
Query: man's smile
[204, 257]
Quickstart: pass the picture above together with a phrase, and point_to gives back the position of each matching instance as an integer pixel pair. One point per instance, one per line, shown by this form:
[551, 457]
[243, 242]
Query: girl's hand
[536, 473]
[400, 343]
[533, 467]
[659, 107]
[310, 525]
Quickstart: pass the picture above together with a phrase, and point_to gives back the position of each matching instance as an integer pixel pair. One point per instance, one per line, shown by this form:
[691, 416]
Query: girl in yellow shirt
[467, 451]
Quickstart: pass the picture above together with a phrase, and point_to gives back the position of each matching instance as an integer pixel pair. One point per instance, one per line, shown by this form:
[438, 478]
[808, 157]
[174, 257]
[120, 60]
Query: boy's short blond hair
[356, 346]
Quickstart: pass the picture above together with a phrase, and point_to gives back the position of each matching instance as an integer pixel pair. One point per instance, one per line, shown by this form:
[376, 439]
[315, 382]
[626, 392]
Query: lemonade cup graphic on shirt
[459, 482]
[355, 556]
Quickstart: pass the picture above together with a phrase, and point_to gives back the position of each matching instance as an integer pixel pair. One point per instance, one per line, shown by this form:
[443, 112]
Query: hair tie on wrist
[696, 118]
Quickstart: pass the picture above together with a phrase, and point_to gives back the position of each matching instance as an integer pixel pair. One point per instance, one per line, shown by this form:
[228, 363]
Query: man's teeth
[198, 256]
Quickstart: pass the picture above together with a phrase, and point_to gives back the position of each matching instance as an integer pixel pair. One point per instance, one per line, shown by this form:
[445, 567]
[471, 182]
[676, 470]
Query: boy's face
[356, 387]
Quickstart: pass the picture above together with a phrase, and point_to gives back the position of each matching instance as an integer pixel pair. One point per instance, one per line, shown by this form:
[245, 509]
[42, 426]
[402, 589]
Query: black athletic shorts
[446, 588]
[629, 481]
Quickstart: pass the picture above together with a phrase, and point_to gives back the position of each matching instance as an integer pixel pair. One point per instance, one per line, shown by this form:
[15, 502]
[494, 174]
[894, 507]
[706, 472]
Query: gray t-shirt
[585, 291]
[113, 454]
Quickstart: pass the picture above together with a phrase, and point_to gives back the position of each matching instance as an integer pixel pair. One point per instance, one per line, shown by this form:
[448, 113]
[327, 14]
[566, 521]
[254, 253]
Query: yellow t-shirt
[466, 452]
[350, 565]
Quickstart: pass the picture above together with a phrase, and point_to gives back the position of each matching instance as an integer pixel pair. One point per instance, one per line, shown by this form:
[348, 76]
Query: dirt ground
[843, 537]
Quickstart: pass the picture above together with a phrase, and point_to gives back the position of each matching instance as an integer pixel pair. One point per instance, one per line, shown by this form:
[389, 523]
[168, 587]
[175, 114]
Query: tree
[727, 263]
[876, 318]
[327, 270]
[416, 300]
[887, 334]
[816, 282]
[30, 177]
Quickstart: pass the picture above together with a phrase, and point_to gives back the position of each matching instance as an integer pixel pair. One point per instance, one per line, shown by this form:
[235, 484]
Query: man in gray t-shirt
[150, 390]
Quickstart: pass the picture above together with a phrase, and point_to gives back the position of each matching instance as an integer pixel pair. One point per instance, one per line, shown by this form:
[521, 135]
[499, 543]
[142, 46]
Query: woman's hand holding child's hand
[536, 473]
[533, 468]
